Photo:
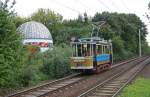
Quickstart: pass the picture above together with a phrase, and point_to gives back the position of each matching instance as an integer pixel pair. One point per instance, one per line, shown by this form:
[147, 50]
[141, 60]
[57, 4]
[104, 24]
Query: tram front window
[82, 50]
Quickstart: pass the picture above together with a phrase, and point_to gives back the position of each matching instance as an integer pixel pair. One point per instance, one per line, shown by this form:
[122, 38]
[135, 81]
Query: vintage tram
[91, 54]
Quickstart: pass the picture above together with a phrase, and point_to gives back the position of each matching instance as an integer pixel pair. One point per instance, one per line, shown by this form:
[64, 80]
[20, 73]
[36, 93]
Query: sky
[70, 9]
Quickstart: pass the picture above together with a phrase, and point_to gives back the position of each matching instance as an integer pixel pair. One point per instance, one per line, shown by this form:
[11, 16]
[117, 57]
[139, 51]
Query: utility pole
[139, 42]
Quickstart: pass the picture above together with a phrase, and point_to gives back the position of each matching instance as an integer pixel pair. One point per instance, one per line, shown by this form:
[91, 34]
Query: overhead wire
[113, 4]
[123, 3]
[84, 5]
[68, 7]
[101, 2]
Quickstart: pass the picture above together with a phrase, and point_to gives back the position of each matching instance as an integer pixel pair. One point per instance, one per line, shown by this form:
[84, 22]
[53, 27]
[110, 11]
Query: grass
[140, 88]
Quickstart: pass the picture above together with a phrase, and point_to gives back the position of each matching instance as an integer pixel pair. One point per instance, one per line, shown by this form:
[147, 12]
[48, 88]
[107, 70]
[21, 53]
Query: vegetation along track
[113, 85]
[53, 87]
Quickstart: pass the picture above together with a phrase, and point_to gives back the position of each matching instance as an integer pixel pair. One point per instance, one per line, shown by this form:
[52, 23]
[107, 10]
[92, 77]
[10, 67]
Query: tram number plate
[78, 60]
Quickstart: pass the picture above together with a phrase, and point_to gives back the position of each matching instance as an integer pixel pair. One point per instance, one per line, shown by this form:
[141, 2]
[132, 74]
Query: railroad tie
[37, 93]
[57, 86]
[45, 90]
[106, 88]
[51, 88]
[67, 82]
[111, 86]
[93, 96]
[28, 96]
[116, 84]
[105, 91]
[103, 94]
[118, 81]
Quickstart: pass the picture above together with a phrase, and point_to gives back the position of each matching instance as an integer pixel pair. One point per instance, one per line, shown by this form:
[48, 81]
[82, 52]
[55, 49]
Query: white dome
[34, 30]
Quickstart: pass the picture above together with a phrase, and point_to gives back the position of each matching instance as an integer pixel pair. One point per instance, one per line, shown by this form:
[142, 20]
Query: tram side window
[84, 50]
[79, 49]
[107, 49]
[103, 49]
[98, 49]
[88, 50]
[74, 50]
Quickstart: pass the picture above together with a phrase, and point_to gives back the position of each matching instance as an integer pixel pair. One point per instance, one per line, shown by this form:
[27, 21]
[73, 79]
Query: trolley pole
[140, 43]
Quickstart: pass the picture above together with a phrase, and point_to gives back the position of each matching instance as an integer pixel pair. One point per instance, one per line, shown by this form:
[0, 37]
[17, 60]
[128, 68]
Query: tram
[91, 54]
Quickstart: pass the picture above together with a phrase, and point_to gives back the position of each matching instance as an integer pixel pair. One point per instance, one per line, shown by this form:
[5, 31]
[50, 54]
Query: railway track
[58, 85]
[112, 86]
[46, 87]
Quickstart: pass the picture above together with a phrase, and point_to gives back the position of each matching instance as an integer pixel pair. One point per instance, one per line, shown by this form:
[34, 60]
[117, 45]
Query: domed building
[36, 33]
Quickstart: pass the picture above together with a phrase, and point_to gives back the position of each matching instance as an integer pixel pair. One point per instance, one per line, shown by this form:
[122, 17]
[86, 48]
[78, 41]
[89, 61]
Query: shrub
[33, 62]
[56, 61]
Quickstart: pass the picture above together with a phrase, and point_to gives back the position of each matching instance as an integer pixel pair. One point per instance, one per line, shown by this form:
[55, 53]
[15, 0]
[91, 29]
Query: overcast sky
[70, 9]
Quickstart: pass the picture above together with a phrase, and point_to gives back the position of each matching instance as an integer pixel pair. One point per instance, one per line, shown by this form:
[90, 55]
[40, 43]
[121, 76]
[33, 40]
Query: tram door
[94, 54]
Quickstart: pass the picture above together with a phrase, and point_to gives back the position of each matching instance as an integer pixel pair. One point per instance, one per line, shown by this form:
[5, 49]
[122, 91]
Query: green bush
[56, 61]
[30, 73]
[38, 66]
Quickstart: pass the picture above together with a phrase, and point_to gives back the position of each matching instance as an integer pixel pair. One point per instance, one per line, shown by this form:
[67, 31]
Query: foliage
[123, 30]
[50, 19]
[39, 66]
[19, 20]
[46, 16]
[69, 31]
[30, 73]
[56, 61]
[118, 48]
[26, 65]
[147, 14]
[10, 49]
[62, 31]
[140, 88]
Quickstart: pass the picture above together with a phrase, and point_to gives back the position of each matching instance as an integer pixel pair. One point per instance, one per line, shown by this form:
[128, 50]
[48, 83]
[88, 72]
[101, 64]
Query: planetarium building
[35, 33]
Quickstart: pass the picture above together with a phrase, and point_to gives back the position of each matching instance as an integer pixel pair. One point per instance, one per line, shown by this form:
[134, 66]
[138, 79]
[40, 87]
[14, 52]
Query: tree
[126, 27]
[80, 18]
[147, 15]
[50, 19]
[19, 20]
[85, 18]
[10, 48]
[46, 16]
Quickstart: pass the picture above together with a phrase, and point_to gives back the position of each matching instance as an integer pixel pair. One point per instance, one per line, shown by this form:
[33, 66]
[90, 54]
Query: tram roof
[92, 40]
